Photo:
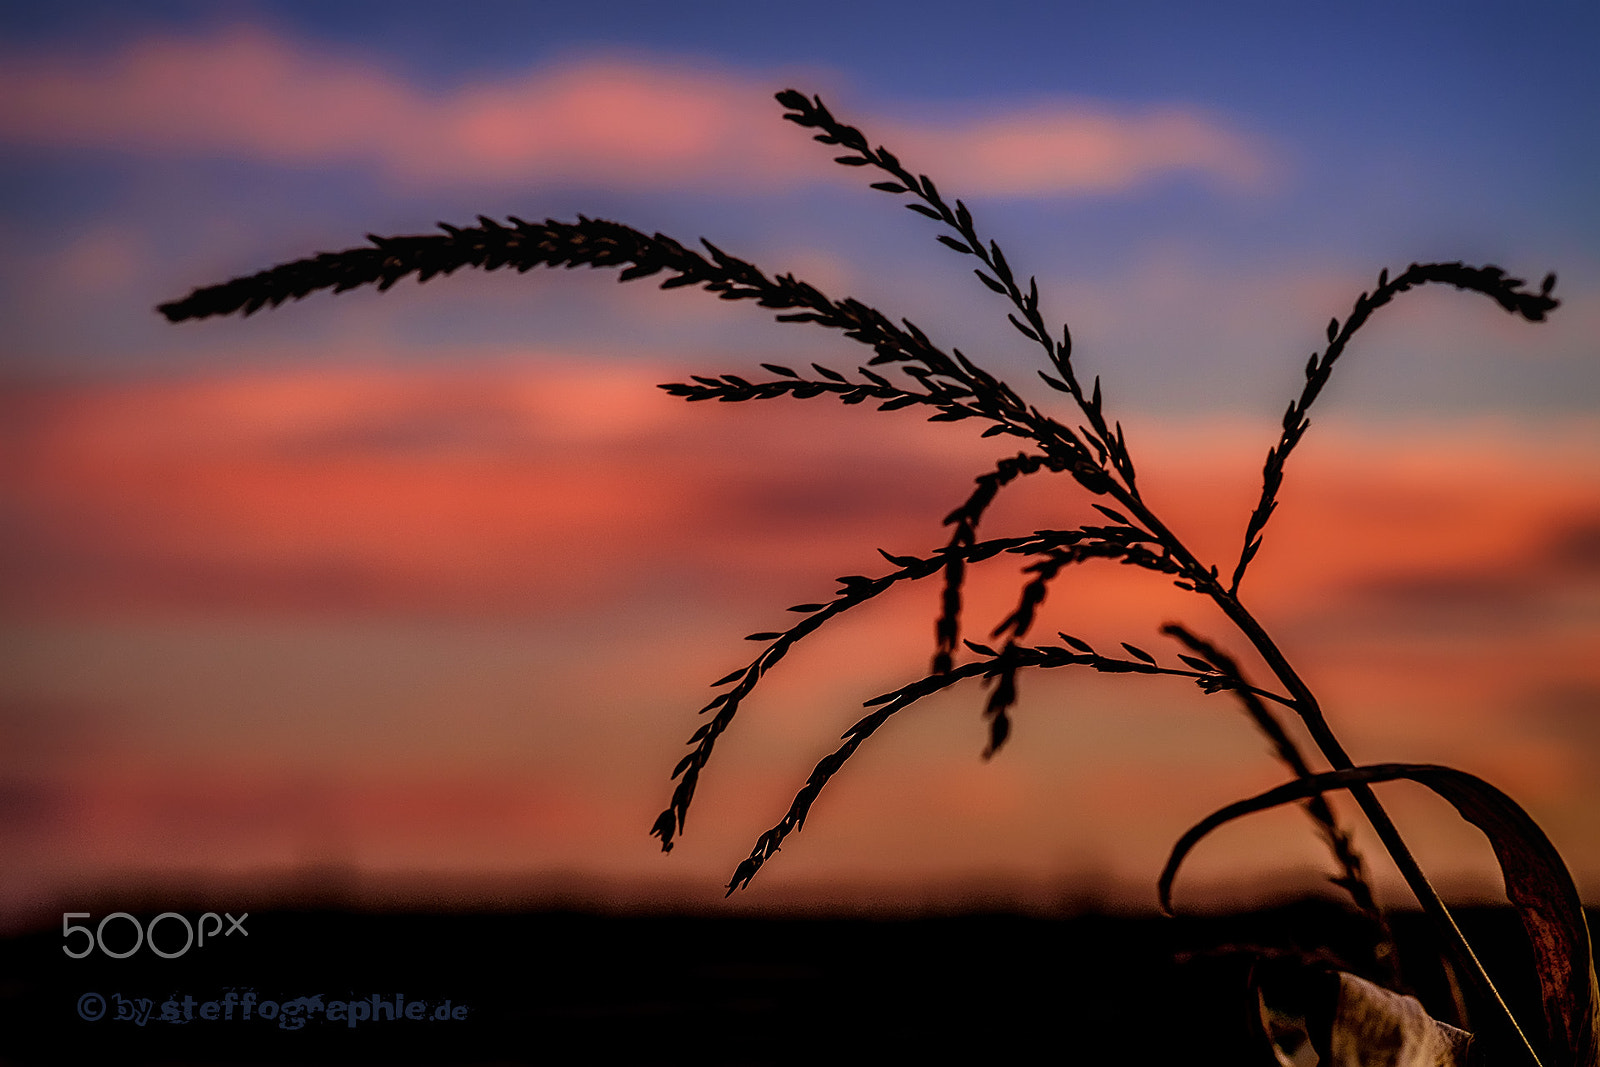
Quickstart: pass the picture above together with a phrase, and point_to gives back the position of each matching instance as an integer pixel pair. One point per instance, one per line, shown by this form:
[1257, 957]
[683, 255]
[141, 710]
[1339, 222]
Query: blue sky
[1391, 132]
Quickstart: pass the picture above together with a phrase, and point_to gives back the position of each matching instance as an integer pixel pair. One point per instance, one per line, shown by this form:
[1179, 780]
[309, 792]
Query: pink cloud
[1079, 149]
[626, 122]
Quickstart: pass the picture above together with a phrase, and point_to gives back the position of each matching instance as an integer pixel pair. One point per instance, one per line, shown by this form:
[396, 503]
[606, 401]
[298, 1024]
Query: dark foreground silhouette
[571, 987]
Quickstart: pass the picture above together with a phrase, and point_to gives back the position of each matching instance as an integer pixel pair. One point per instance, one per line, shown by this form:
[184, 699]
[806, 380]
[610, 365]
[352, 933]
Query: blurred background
[411, 598]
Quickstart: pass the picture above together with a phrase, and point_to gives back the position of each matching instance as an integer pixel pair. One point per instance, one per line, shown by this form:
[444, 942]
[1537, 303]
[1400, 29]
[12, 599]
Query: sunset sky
[417, 593]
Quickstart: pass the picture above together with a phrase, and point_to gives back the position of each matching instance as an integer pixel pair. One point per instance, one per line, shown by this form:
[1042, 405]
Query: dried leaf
[1311, 1015]
[1537, 883]
[1373, 1027]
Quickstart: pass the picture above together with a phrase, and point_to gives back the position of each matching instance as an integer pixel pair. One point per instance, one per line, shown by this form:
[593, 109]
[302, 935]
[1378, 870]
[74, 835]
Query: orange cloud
[470, 490]
[455, 492]
[1437, 586]
[621, 122]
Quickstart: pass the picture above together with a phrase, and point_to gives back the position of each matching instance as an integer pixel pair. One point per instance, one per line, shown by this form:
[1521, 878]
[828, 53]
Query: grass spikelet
[915, 372]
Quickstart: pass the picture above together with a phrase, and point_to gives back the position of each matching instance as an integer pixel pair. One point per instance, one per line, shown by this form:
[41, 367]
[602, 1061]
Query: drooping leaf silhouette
[1537, 883]
[1221, 673]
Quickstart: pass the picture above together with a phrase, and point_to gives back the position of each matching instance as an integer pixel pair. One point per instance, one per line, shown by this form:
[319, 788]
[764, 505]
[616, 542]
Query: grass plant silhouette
[1095, 454]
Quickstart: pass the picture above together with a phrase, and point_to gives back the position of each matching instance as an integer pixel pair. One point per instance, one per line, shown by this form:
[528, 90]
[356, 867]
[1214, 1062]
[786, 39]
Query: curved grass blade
[794, 819]
[1336, 837]
[965, 519]
[1058, 547]
[1107, 439]
[1490, 281]
[597, 243]
[994, 665]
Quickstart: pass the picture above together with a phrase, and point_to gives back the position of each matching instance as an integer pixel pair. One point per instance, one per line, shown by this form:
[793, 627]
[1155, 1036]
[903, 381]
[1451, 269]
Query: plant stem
[1306, 706]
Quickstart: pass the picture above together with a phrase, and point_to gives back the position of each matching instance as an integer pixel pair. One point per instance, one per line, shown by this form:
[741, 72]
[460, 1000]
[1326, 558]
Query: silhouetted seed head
[950, 387]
